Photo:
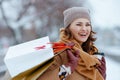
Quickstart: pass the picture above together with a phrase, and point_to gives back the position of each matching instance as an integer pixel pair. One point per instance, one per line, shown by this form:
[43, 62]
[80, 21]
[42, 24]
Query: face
[80, 29]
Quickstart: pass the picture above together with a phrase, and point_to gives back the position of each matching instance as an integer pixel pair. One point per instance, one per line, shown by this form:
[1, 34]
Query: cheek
[74, 29]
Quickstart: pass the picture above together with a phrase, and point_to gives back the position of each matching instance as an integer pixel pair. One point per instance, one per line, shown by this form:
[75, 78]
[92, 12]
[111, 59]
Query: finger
[102, 63]
[99, 69]
[77, 53]
[103, 60]
[70, 55]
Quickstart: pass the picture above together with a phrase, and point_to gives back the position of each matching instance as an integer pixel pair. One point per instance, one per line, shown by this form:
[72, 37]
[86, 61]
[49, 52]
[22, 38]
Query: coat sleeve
[59, 60]
[52, 72]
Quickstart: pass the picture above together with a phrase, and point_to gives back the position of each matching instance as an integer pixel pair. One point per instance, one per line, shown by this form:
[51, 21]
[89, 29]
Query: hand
[102, 67]
[72, 59]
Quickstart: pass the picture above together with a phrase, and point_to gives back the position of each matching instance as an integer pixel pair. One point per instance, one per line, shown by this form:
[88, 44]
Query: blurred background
[25, 20]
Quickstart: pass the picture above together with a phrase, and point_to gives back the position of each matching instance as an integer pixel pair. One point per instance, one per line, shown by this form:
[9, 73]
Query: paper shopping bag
[24, 60]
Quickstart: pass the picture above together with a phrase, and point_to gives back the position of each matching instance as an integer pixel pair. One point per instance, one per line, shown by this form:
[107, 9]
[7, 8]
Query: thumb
[103, 60]
[77, 53]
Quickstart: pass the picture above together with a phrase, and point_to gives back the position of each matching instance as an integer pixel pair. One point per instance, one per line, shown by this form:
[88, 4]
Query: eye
[88, 24]
[79, 24]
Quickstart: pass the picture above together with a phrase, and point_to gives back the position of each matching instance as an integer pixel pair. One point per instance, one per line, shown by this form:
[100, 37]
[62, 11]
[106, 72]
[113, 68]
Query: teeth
[82, 34]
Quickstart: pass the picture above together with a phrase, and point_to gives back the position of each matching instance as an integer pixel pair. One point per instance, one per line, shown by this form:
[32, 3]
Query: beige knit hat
[73, 13]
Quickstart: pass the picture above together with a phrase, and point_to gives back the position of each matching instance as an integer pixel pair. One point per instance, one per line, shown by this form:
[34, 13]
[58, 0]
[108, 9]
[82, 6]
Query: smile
[82, 34]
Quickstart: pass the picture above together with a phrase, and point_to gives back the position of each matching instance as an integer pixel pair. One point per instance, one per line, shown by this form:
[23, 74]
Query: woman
[79, 62]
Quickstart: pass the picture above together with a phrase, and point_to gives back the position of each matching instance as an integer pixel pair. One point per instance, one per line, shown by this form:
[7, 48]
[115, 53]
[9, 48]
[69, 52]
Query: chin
[84, 40]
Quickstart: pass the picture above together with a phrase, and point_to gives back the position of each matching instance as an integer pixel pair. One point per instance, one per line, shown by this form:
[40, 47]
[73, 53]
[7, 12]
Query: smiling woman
[79, 62]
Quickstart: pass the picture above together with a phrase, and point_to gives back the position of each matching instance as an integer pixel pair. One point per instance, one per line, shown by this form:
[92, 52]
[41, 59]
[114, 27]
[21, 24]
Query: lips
[82, 34]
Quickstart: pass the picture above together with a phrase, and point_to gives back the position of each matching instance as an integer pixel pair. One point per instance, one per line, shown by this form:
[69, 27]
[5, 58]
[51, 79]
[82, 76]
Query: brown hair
[86, 46]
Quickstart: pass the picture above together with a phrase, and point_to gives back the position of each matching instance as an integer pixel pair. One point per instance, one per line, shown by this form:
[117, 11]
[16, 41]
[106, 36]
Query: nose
[83, 27]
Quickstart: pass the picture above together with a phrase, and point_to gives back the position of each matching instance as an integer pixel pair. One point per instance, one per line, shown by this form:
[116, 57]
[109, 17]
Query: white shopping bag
[24, 56]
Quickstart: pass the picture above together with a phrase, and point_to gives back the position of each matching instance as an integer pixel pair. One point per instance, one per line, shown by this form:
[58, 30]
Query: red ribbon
[40, 47]
[57, 46]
